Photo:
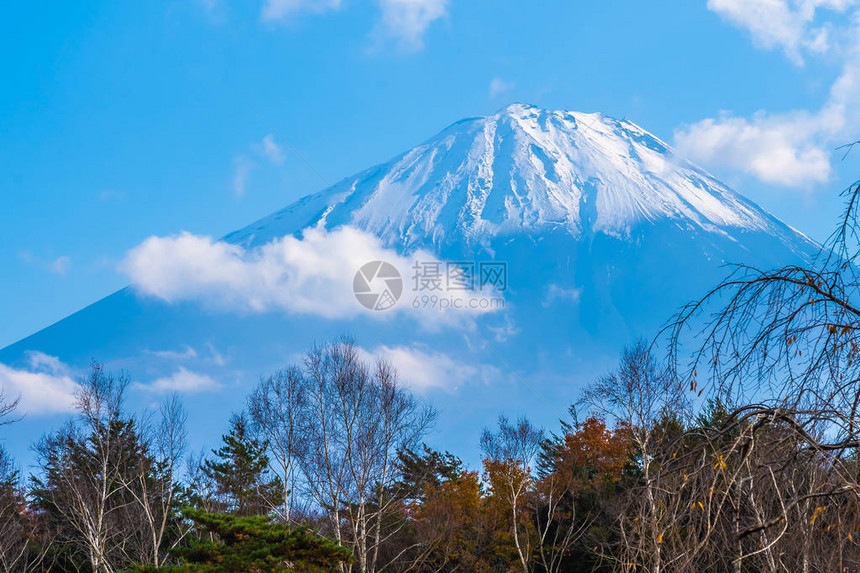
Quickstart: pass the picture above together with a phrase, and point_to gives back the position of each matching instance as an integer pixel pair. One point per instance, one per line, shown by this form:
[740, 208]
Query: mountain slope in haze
[604, 230]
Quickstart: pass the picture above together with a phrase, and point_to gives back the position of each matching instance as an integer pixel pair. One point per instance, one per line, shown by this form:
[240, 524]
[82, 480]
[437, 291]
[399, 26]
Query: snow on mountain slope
[525, 171]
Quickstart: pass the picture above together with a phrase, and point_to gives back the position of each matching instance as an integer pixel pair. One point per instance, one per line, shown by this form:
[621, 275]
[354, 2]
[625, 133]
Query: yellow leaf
[816, 513]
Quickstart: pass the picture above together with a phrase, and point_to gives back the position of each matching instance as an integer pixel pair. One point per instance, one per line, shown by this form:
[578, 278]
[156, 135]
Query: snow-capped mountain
[603, 229]
[525, 171]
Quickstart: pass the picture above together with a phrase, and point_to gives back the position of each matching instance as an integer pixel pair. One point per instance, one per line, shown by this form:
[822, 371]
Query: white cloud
[269, 149]
[405, 21]
[504, 331]
[242, 167]
[780, 23]
[183, 381]
[61, 265]
[215, 357]
[423, 369]
[115, 195]
[555, 292]
[284, 9]
[243, 164]
[309, 275]
[498, 86]
[408, 20]
[784, 149]
[187, 353]
[46, 387]
[792, 148]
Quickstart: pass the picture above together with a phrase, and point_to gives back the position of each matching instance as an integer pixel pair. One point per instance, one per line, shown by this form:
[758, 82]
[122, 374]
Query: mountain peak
[526, 170]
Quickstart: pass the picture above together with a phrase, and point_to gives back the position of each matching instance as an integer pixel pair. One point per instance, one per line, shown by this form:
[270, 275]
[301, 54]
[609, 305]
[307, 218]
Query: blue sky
[125, 120]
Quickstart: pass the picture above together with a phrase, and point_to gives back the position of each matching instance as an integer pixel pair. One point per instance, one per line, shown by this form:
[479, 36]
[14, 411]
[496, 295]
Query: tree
[647, 401]
[276, 408]
[239, 544]
[509, 457]
[7, 408]
[154, 485]
[579, 472]
[97, 490]
[454, 531]
[778, 350]
[438, 516]
[20, 546]
[239, 472]
[428, 468]
[356, 419]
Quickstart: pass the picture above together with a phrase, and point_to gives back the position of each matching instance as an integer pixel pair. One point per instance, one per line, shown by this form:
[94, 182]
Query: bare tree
[153, 484]
[81, 480]
[340, 423]
[106, 486]
[8, 406]
[276, 407]
[509, 459]
[645, 399]
[782, 346]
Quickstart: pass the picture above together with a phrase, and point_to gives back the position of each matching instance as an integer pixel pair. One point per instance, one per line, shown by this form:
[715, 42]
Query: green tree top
[240, 472]
[252, 543]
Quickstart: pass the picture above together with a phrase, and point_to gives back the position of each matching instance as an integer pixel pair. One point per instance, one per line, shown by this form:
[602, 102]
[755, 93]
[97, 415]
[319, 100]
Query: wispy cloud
[243, 164]
[60, 265]
[44, 387]
[187, 353]
[284, 9]
[555, 293]
[269, 149]
[242, 167]
[498, 86]
[407, 21]
[183, 381]
[115, 195]
[404, 21]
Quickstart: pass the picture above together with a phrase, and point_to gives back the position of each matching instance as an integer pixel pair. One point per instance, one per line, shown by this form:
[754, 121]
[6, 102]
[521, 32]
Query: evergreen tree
[19, 549]
[84, 495]
[100, 494]
[419, 470]
[239, 472]
[238, 544]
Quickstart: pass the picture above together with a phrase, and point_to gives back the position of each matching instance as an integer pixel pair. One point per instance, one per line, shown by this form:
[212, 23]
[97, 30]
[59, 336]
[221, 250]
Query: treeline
[325, 470]
[738, 453]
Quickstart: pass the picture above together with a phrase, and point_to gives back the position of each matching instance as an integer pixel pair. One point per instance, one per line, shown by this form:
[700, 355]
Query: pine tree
[234, 544]
[240, 473]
